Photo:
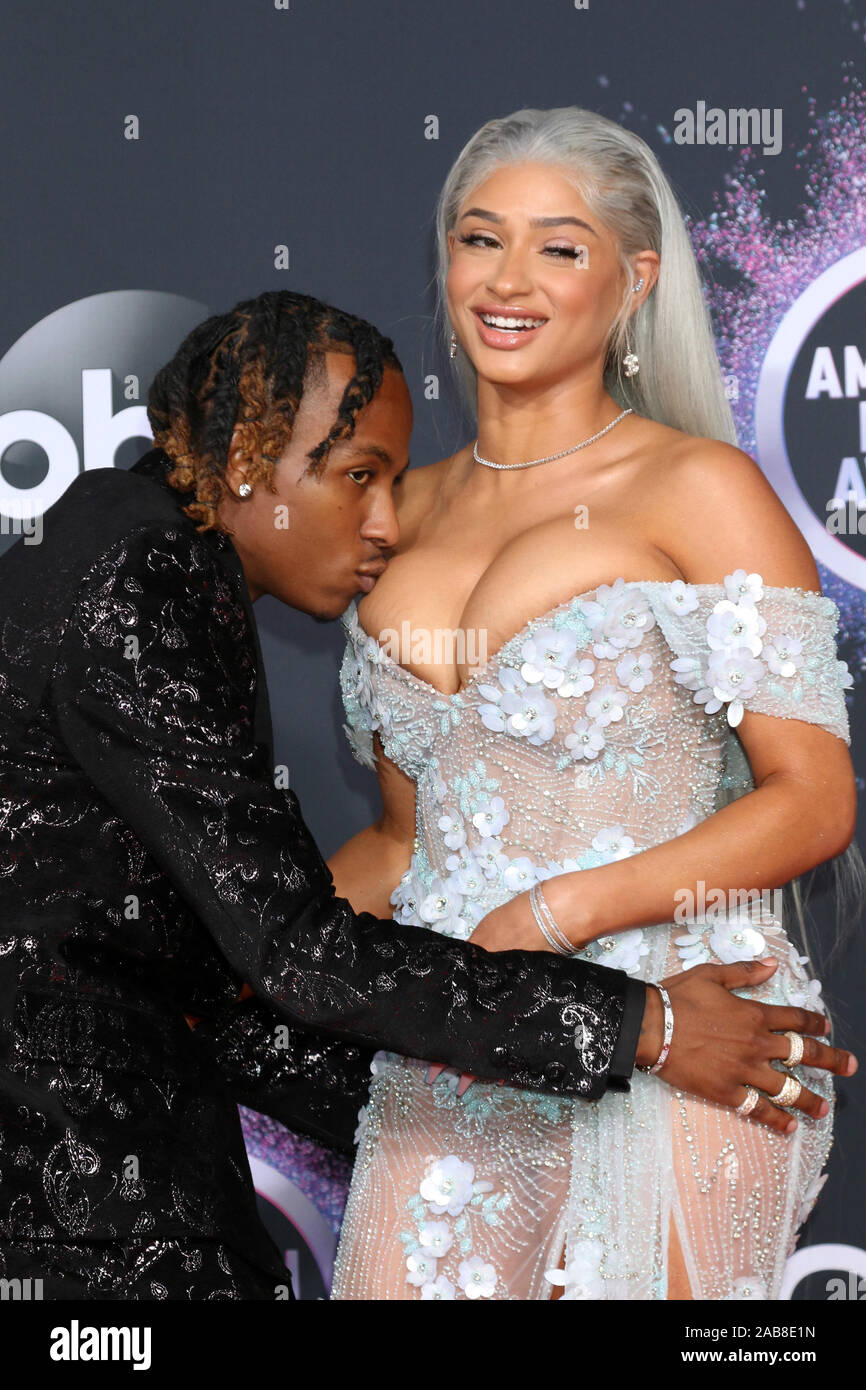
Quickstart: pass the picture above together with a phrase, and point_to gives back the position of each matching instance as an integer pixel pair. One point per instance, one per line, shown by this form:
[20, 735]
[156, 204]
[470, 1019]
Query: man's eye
[360, 475]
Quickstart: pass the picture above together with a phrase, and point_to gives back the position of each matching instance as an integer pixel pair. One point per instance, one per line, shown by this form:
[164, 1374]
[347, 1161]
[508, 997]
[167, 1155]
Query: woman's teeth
[495, 321]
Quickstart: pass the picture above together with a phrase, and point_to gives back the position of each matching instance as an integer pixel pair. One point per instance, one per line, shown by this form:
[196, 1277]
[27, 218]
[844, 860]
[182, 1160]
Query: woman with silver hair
[649, 733]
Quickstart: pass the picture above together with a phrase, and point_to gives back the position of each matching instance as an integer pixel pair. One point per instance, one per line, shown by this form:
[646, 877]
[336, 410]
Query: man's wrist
[652, 1029]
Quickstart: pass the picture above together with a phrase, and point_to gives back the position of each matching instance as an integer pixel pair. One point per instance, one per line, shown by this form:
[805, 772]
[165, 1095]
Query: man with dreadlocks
[153, 875]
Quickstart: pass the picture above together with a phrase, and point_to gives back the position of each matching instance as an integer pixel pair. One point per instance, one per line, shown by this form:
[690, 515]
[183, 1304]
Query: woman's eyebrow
[533, 221]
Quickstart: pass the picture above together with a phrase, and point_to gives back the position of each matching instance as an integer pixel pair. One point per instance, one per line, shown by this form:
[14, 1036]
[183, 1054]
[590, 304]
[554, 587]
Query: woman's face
[526, 245]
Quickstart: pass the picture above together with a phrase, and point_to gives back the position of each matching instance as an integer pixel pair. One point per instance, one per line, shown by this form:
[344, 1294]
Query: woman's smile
[507, 330]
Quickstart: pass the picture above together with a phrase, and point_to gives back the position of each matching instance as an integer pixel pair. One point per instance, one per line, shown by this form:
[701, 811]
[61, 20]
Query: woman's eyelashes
[570, 253]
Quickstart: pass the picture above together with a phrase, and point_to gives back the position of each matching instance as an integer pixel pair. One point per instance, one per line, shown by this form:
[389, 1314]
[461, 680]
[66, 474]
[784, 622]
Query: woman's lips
[507, 338]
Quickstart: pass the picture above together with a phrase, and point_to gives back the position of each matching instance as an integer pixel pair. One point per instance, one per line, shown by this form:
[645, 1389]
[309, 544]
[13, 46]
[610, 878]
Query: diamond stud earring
[639, 286]
[245, 489]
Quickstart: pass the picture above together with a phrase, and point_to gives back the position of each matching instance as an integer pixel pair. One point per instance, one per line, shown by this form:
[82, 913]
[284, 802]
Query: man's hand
[722, 1043]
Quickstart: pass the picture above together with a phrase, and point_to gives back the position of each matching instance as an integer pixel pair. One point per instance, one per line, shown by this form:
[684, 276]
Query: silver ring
[748, 1105]
[798, 1047]
[790, 1092]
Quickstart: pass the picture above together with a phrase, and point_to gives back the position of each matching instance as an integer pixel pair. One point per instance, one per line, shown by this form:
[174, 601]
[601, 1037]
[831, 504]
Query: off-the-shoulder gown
[603, 727]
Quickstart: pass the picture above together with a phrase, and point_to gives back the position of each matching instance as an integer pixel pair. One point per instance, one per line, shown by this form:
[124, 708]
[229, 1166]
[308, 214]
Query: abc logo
[73, 390]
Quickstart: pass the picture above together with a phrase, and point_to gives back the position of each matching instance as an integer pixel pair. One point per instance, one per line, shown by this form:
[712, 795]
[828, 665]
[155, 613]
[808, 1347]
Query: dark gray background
[261, 126]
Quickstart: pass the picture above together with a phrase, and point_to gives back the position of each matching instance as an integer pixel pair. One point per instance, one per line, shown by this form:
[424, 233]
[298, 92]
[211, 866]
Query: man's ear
[235, 473]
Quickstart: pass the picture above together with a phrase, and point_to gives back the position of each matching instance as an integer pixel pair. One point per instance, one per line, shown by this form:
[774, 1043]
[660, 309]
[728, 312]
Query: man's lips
[368, 574]
[507, 338]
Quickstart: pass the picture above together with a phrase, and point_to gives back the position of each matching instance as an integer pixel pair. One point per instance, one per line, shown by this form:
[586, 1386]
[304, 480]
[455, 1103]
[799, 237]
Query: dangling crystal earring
[631, 361]
[245, 489]
[453, 352]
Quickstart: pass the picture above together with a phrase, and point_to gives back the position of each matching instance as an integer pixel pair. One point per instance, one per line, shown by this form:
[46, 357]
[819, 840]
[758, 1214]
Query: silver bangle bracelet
[546, 923]
[668, 1032]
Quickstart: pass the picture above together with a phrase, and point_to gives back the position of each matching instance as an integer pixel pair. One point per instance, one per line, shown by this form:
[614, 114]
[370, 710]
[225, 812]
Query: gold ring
[790, 1092]
[798, 1047]
[748, 1105]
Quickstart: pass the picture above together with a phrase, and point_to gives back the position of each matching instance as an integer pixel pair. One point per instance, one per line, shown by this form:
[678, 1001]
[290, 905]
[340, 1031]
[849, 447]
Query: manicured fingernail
[823, 1109]
[827, 1025]
[853, 1064]
[790, 1126]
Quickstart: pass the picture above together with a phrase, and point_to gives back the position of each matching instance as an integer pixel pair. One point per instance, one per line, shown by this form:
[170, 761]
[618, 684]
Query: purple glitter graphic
[322, 1175]
[757, 267]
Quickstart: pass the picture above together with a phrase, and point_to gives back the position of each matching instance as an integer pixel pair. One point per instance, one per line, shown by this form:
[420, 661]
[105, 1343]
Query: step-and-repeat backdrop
[161, 162]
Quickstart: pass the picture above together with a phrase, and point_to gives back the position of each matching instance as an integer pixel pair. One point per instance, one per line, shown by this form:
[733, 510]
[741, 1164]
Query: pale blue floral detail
[566, 616]
[765, 648]
[474, 788]
[380, 697]
[729, 936]
[449, 1200]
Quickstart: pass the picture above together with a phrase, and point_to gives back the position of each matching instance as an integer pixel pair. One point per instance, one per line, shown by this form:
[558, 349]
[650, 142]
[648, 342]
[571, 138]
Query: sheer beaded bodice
[603, 727]
[589, 734]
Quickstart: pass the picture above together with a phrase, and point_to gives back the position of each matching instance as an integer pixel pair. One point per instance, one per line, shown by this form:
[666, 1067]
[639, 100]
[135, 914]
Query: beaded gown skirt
[602, 728]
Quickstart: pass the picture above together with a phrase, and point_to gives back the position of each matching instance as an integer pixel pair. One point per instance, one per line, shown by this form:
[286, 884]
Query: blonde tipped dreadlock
[241, 376]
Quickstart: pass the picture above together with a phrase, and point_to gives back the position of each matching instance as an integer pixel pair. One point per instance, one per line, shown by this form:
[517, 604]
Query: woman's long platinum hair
[680, 382]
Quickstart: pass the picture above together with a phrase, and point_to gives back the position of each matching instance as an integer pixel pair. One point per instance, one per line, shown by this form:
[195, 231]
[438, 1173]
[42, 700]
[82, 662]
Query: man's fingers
[781, 1018]
[815, 1054]
[772, 1081]
[743, 973]
[765, 1113]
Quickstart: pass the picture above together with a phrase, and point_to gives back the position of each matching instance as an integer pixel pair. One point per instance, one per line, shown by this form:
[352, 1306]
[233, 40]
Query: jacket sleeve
[155, 697]
[314, 1083]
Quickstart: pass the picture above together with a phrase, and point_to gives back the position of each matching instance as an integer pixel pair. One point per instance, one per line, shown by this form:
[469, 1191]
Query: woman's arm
[801, 813]
[368, 867]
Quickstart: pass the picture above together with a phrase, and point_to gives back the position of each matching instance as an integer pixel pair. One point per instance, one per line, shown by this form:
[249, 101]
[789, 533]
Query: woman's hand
[510, 927]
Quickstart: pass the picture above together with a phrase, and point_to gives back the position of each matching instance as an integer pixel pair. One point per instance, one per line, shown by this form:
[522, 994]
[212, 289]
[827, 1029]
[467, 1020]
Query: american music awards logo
[810, 416]
[73, 392]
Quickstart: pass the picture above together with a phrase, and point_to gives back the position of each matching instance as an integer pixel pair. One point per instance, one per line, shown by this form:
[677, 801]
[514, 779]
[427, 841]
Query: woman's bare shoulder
[721, 513]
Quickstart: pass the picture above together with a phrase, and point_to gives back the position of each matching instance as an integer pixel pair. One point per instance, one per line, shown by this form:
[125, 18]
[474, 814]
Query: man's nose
[382, 526]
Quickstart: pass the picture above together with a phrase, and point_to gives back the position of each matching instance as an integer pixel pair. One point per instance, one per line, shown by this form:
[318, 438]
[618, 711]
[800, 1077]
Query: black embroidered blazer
[149, 865]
